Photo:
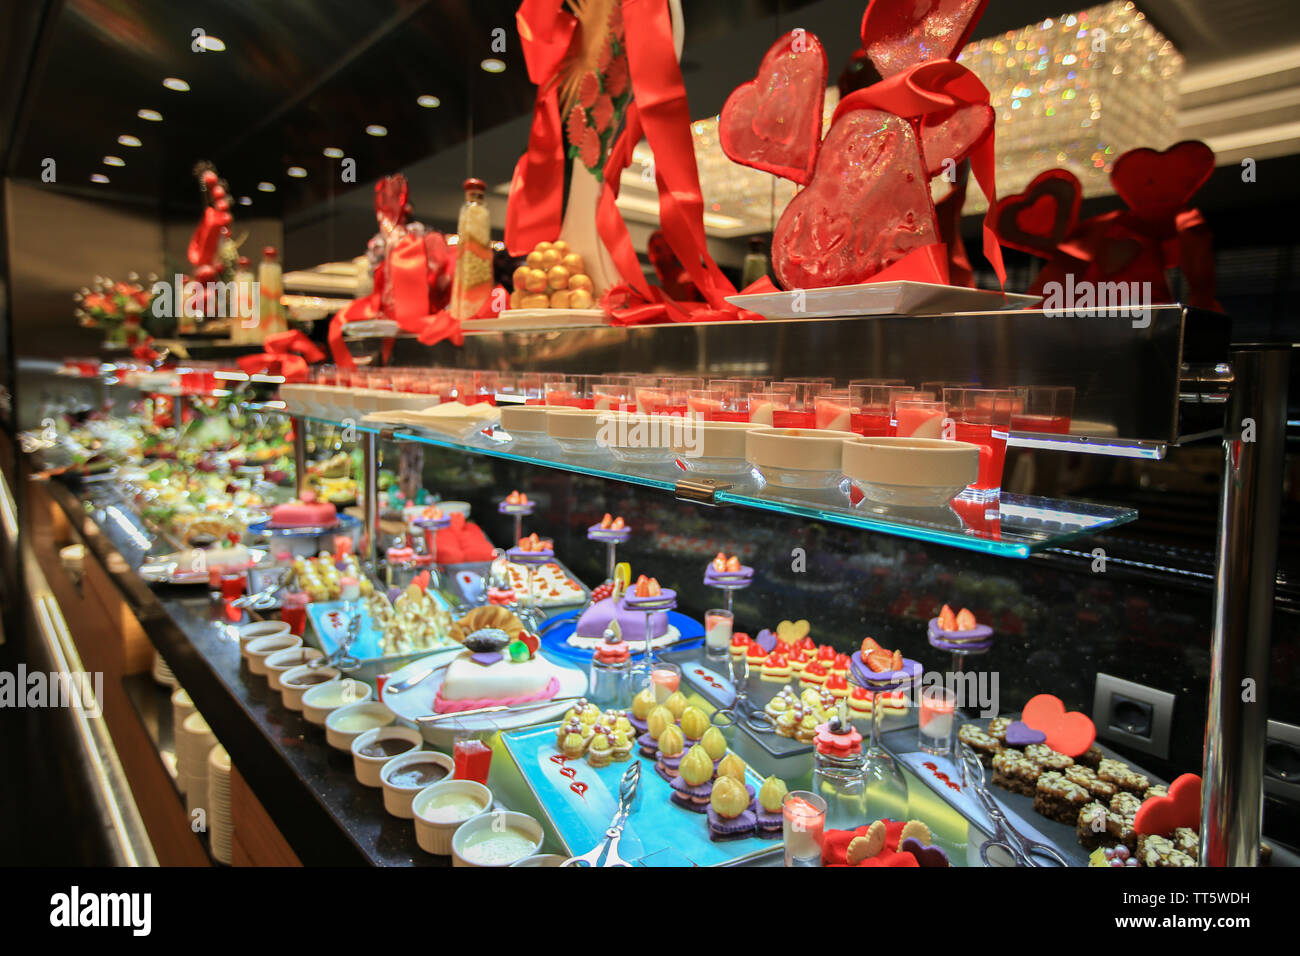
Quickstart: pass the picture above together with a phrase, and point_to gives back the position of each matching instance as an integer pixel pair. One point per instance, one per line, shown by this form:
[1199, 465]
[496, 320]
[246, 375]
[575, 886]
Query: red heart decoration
[953, 135]
[1039, 219]
[1161, 816]
[774, 122]
[421, 580]
[867, 206]
[1156, 185]
[1068, 732]
[898, 34]
[530, 641]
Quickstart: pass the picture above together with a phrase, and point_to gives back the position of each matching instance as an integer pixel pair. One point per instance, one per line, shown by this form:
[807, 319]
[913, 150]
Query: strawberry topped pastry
[609, 529]
[959, 632]
[532, 550]
[647, 594]
[878, 668]
[727, 572]
[516, 503]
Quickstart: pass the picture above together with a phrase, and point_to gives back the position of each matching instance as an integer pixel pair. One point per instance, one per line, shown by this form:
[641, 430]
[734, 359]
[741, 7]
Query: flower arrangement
[119, 308]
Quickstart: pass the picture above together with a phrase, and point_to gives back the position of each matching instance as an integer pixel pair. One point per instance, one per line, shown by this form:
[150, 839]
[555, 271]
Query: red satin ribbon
[931, 88]
[203, 243]
[287, 354]
[535, 209]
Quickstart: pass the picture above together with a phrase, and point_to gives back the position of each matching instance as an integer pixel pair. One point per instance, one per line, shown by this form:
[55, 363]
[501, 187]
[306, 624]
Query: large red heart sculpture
[953, 135]
[867, 206]
[1039, 219]
[898, 34]
[1157, 185]
[1161, 816]
[774, 122]
[1068, 732]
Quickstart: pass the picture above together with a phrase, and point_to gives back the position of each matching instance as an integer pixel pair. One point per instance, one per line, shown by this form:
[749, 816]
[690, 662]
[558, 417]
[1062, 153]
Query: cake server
[605, 853]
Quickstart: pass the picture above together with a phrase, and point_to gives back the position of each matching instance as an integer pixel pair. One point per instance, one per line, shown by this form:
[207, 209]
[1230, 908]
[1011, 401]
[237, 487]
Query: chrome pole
[370, 476]
[1249, 512]
[299, 425]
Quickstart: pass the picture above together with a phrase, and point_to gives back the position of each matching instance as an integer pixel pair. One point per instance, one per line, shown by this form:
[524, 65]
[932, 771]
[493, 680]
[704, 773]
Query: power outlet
[1132, 714]
[1282, 761]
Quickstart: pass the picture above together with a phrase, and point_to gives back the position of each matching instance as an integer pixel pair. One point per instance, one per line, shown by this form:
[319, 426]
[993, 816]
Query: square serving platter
[579, 801]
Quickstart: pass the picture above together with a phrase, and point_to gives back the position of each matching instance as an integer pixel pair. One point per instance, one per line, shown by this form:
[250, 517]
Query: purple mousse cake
[598, 532]
[978, 638]
[596, 619]
[733, 580]
[864, 676]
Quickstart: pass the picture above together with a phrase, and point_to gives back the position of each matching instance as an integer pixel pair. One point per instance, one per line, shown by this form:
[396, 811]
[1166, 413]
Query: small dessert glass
[936, 718]
[982, 416]
[717, 633]
[803, 828]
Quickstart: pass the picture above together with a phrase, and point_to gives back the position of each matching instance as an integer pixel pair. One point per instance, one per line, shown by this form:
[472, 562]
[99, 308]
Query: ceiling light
[297, 172]
[126, 139]
[177, 84]
[114, 161]
[98, 178]
[153, 116]
[245, 201]
[212, 44]
[374, 129]
[333, 152]
[265, 187]
[493, 65]
[429, 102]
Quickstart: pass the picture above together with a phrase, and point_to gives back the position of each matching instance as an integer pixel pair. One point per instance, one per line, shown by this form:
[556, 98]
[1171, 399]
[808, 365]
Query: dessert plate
[536, 320]
[578, 801]
[418, 702]
[556, 631]
[879, 298]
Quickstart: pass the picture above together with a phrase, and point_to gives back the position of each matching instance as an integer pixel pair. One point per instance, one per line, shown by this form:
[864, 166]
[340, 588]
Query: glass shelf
[1015, 527]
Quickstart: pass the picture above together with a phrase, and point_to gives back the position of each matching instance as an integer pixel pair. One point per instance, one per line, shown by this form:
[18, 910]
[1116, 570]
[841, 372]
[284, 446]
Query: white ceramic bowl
[487, 825]
[298, 680]
[797, 457]
[398, 795]
[911, 472]
[259, 649]
[432, 832]
[542, 859]
[255, 629]
[713, 448]
[367, 767]
[276, 664]
[344, 724]
[322, 700]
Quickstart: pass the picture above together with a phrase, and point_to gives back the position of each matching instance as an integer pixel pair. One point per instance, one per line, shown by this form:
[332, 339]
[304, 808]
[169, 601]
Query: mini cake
[998, 728]
[600, 752]
[715, 745]
[1057, 798]
[837, 685]
[876, 668]
[659, 720]
[676, 704]
[516, 503]
[860, 702]
[621, 746]
[798, 659]
[985, 747]
[806, 732]
[739, 645]
[668, 755]
[693, 784]
[959, 632]
[814, 674]
[1123, 776]
[1088, 779]
[694, 723]
[1161, 851]
[768, 807]
[532, 550]
[776, 669]
[496, 670]
[782, 702]
[616, 611]
[609, 529]
[1047, 758]
[838, 738]
[727, 572]
[729, 813]
[572, 748]
[307, 513]
[642, 704]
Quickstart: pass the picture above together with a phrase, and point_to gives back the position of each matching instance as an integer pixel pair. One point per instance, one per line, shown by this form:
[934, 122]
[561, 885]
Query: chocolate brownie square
[1057, 798]
[1092, 826]
[1125, 804]
[998, 729]
[1086, 778]
[1090, 757]
[1015, 772]
[980, 742]
[1156, 790]
[1187, 840]
[1047, 758]
[1123, 776]
[1161, 851]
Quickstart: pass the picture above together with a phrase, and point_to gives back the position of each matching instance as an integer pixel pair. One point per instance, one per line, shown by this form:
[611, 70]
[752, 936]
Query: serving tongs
[341, 656]
[495, 709]
[605, 853]
[742, 709]
[1006, 841]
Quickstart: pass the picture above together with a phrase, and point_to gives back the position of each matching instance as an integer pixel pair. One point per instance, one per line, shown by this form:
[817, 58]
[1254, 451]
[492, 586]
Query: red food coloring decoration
[1161, 816]
[774, 121]
[1068, 732]
[579, 788]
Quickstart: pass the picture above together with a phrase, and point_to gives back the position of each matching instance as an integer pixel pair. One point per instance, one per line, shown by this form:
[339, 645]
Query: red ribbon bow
[287, 354]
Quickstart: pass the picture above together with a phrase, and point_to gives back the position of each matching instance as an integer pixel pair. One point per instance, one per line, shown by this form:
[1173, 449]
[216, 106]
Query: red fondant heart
[1160, 816]
[947, 139]
[1156, 185]
[774, 122]
[898, 34]
[868, 205]
[421, 580]
[1039, 219]
[1068, 732]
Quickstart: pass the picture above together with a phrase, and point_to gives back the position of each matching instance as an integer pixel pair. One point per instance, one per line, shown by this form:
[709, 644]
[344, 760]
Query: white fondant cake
[469, 684]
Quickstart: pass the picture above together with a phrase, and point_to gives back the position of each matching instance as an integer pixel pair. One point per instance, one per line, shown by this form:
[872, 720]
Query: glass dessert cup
[982, 417]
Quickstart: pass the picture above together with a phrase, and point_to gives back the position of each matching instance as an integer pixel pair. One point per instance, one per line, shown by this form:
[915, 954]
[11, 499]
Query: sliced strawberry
[720, 562]
[870, 644]
[733, 563]
[966, 620]
[606, 521]
[618, 524]
[947, 619]
[897, 663]
[880, 661]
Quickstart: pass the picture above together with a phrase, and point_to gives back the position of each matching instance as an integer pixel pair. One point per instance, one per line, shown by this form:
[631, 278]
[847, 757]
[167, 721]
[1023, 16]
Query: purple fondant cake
[864, 676]
[734, 580]
[978, 638]
[606, 535]
[595, 619]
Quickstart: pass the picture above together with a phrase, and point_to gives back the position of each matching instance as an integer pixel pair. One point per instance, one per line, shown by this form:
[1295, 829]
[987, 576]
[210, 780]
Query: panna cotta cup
[496, 838]
[525, 424]
[911, 472]
[322, 700]
[440, 810]
[374, 748]
[639, 439]
[575, 429]
[713, 448]
[347, 723]
[298, 680]
[277, 664]
[798, 457]
[404, 776]
[259, 649]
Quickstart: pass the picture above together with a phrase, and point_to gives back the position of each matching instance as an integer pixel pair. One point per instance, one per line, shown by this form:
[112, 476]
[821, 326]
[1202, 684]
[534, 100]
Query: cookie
[916, 829]
[864, 847]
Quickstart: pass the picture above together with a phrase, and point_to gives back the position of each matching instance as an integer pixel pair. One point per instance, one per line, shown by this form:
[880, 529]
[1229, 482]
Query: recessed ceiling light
[177, 84]
[374, 129]
[98, 178]
[333, 152]
[114, 161]
[212, 44]
[493, 65]
[126, 139]
[297, 172]
[245, 201]
[266, 187]
[429, 102]
[153, 116]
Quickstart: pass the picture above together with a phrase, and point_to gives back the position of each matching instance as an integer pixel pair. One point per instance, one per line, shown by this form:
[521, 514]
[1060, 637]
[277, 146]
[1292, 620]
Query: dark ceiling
[301, 75]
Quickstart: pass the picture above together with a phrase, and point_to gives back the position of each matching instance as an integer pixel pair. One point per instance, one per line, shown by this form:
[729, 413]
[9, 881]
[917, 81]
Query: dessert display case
[1027, 565]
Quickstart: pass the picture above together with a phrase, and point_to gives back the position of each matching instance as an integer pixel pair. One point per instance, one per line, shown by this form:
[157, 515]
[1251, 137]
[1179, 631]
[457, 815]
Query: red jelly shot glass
[982, 416]
[472, 758]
